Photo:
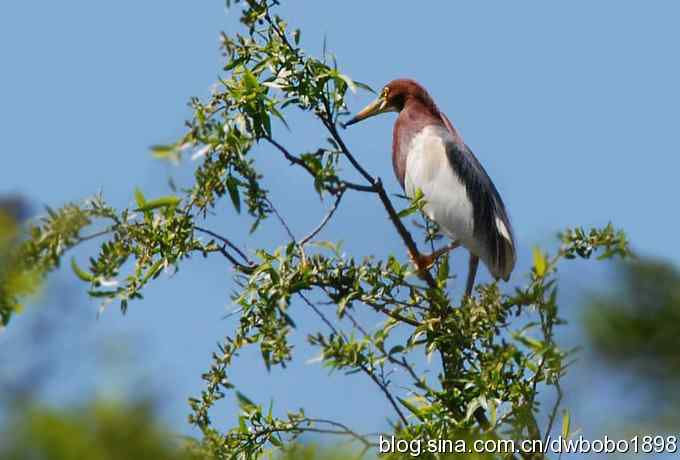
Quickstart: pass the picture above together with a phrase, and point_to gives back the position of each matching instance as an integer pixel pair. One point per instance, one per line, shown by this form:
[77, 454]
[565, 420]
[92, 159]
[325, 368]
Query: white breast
[447, 202]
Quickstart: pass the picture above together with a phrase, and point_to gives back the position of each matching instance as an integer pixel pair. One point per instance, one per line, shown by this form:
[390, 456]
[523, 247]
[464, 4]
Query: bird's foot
[424, 262]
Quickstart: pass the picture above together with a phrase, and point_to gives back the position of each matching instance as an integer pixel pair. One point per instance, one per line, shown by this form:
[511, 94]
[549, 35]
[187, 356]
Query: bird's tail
[506, 255]
[508, 260]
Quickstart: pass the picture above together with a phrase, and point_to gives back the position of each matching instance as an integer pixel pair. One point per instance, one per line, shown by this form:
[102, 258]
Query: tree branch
[297, 161]
[325, 220]
[82, 239]
[406, 237]
[283, 222]
[249, 264]
[289, 156]
[341, 143]
[363, 367]
[553, 412]
[377, 185]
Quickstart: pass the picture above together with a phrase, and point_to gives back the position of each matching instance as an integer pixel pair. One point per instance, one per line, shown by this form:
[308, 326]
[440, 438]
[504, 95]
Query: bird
[429, 154]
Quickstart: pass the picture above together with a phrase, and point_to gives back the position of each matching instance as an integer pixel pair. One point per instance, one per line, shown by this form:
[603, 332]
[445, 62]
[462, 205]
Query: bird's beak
[374, 108]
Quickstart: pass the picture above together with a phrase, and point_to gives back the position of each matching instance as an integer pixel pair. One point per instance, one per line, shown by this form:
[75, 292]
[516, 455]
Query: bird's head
[393, 97]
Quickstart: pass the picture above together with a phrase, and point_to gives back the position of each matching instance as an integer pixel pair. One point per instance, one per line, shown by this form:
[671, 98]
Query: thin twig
[325, 220]
[82, 239]
[342, 431]
[283, 222]
[249, 265]
[320, 314]
[297, 161]
[344, 428]
[350, 433]
[532, 426]
[396, 316]
[244, 268]
[379, 308]
[227, 243]
[553, 413]
[403, 363]
[358, 187]
[387, 393]
[356, 324]
[363, 367]
[341, 143]
[289, 156]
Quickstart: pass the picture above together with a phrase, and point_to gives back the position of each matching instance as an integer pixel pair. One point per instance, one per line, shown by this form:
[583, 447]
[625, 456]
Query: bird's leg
[472, 273]
[423, 262]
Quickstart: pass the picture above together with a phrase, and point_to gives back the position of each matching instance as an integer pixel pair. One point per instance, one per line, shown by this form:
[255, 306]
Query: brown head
[416, 111]
[393, 97]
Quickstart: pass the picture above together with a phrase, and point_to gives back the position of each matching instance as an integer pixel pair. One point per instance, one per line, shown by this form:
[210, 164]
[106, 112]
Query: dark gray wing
[488, 207]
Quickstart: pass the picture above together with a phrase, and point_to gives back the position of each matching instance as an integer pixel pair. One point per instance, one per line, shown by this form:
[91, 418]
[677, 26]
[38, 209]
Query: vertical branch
[450, 363]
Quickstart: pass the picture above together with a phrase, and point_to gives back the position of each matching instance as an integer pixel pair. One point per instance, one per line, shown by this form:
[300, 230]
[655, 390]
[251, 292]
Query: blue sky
[571, 107]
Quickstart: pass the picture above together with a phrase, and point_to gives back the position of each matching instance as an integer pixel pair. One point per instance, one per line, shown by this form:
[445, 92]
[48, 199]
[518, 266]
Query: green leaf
[139, 197]
[443, 274]
[103, 294]
[233, 63]
[232, 187]
[250, 80]
[242, 427]
[472, 407]
[243, 402]
[364, 86]
[153, 271]
[164, 151]
[342, 305]
[82, 274]
[412, 408]
[279, 115]
[493, 412]
[566, 421]
[349, 81]
[336, 248]
[163, 202]
[288, 319]
[540, 263]
[407, 212]
[530, 342]
[266, 123]
[396, 349]
[416, 204]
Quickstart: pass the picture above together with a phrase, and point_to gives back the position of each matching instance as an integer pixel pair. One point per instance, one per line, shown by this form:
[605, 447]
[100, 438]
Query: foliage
[17, 279]
[636, 328]
[100, 431]
[638, 324]
[108, 430]
[497, 351]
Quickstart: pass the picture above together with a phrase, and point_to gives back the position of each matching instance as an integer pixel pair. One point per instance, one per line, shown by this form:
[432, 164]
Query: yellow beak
[374, 108]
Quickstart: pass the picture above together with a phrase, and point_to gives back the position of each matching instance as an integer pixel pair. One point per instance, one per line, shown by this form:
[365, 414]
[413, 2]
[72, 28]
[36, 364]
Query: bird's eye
[385, 92]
